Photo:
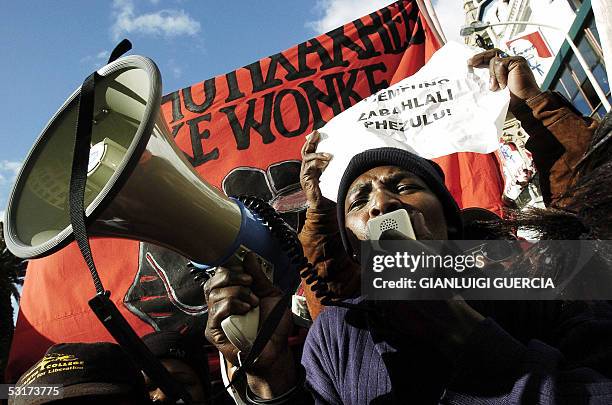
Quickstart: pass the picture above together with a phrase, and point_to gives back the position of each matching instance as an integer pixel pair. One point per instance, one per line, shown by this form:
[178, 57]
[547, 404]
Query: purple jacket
[351, 359]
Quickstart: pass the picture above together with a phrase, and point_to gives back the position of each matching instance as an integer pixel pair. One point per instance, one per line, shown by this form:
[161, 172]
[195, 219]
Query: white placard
[443, 108]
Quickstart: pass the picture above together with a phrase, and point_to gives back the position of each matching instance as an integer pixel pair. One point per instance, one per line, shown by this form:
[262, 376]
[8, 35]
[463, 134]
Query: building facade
[554, 64]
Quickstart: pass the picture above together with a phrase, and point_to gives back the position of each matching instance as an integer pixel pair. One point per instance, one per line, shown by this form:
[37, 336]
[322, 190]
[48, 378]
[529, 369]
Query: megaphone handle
[241, 330]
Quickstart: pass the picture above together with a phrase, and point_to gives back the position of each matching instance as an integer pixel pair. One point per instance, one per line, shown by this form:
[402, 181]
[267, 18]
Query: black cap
[427, 170]
[83, 369]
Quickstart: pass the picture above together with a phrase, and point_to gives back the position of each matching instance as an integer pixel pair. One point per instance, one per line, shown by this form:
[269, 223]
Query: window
[601, 112]
[569, 83]
[587, 51]
[486, 8]
[560, 87]
[602, 78]
[525, 16]
[589, 93]
[593, 29]
[572, 80]
[575, 5]
[577, 69]
[580, 103]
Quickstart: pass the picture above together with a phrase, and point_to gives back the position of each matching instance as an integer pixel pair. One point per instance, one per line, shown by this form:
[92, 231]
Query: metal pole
[589, 74]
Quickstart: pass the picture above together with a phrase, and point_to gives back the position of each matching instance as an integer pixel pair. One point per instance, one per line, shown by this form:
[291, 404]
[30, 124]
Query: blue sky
[49, 47]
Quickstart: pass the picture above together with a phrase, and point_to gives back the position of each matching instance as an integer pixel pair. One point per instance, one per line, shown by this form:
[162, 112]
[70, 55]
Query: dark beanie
[427, 170]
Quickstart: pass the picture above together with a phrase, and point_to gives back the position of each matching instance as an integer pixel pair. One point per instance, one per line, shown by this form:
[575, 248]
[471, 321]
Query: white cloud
[8, 171]
[96, 61]
[163, 23]
[338, 12]
[177, 72]
[451, 16]
[103, 55]
[176, 69]
[335, 13]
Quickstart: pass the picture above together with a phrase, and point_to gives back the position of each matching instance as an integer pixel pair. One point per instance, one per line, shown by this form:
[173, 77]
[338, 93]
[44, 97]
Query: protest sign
[444, 108]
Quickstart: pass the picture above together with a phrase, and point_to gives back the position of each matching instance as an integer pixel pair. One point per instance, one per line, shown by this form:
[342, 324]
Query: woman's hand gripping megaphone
[237, 290]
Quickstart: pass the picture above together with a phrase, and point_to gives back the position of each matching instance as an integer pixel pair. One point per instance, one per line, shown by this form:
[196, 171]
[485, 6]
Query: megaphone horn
[139, 184]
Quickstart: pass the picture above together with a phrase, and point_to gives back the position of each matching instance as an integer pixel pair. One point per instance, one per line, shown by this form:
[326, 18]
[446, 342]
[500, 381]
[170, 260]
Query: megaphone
[139, 186]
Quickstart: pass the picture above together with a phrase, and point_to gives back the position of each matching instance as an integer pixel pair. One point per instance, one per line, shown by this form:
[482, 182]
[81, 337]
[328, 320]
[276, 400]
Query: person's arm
[323, 248]
[559, 136]
[320, 237]
[493, 364]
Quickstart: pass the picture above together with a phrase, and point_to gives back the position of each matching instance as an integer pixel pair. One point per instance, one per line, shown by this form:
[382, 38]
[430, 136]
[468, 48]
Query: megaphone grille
[46, 183]
[387, 224]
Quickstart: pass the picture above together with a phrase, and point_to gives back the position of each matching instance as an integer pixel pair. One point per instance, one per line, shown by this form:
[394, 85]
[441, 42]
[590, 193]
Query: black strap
[103, 307]
[78, 175]
[121, 48]
[80, 160]
[262, 338]
[266, 331]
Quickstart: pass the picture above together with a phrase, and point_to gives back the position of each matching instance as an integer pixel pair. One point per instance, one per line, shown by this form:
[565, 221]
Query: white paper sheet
[443, 108]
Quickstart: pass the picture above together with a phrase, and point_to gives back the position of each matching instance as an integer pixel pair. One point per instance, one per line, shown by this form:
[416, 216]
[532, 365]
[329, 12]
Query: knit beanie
[427, 170]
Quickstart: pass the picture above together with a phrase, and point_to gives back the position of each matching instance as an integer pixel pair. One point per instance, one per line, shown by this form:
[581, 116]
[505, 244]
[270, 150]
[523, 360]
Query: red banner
[243, 132]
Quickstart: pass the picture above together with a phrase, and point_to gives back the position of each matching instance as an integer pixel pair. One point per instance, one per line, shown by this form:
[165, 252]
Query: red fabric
[54, 300]
[286, 96]
[474, 180]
